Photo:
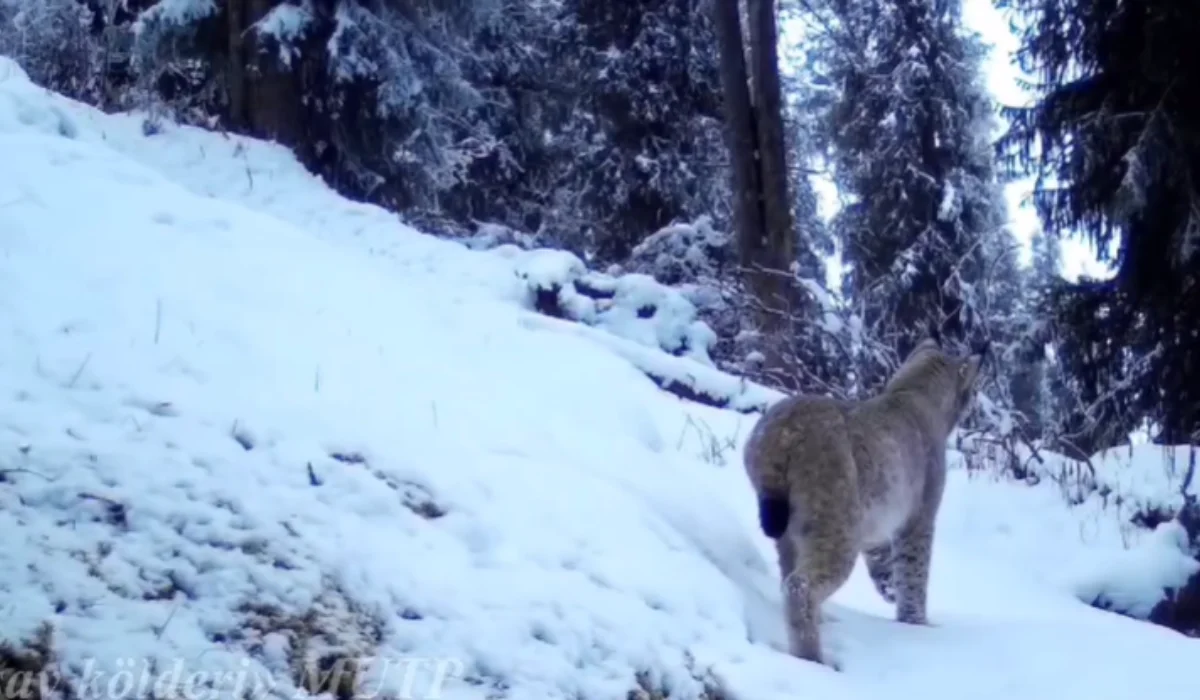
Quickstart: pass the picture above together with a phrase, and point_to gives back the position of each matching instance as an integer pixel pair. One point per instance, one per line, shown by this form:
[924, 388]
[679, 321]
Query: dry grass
[647, 689]
[327, 642]
[29, 669]
[714, 449]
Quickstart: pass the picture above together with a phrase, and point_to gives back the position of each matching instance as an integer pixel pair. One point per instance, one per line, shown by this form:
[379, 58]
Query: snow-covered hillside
[247, 428]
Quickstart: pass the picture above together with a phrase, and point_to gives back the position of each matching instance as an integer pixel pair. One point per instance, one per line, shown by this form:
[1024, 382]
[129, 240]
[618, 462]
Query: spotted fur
[836, 479]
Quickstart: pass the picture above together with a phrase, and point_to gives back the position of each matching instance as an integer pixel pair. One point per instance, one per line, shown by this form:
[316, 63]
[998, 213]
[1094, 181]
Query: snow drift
[261, 441]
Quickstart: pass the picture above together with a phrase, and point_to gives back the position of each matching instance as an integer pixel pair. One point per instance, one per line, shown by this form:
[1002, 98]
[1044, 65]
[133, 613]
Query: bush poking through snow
[715, 450]
[707, 686]
[700, 262]
[29, 668]
[1153, 493]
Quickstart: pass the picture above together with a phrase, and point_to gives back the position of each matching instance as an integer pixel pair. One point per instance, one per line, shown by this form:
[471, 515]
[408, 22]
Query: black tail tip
[773, 515]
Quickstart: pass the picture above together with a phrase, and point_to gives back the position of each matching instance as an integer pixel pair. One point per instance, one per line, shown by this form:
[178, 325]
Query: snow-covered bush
[692, 254]
[632, 303]
[1153, 492]
[1157, 580]
[700, 262]
[680, 291]
[631, 306]
[489, 235]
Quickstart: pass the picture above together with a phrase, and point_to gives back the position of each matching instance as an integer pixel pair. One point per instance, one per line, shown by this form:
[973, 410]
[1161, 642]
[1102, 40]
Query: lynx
[835, 479]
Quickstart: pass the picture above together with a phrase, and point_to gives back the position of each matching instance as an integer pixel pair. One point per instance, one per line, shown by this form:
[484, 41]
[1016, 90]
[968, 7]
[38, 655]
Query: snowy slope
[245, 424]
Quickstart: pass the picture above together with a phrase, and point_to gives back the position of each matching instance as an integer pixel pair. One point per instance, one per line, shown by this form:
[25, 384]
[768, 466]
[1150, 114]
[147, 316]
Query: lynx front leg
[911, 553]
[912, 548]
[879, 566]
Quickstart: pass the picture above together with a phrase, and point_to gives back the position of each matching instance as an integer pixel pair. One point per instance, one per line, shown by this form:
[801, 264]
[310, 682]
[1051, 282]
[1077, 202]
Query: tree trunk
[235, 81]
[741, 136]
[754, 137]
[777, 244]
[264, 100]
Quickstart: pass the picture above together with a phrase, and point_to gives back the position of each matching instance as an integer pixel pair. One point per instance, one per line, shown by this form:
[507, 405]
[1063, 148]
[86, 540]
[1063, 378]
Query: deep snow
[243, 419]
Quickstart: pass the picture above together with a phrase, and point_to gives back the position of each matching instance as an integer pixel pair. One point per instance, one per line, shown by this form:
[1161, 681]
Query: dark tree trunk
[741, 135]
[776, 246]
[754, 135]
[235, 81]
[264, 102]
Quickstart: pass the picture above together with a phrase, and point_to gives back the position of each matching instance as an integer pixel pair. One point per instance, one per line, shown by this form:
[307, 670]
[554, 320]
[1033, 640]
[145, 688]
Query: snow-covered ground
[246, 424]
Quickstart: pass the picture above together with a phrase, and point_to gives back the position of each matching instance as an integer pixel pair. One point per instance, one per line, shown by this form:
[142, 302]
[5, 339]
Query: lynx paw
[918, 620]
[832, 657]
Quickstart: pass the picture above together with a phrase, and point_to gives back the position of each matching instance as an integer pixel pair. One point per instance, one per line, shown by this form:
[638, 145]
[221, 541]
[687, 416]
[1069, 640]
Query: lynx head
[948, 381]
[967, 376]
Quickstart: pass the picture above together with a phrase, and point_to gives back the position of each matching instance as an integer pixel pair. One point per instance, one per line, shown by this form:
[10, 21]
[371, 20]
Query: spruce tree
[1114, 138]
[639, 140]
[923, 231]
[1033, 368]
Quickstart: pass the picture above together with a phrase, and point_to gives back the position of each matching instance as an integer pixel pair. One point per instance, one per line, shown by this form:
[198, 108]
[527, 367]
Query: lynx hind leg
[879, 567]
[802, 614]
[819, 566]
[803, 608]
[913, 553]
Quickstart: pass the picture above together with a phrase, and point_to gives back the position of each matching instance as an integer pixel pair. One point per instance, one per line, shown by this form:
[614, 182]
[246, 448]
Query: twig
[158, 631]
[157, 319]
[22, 470]
[79, 371]
[116, 510]
[1188, 476]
